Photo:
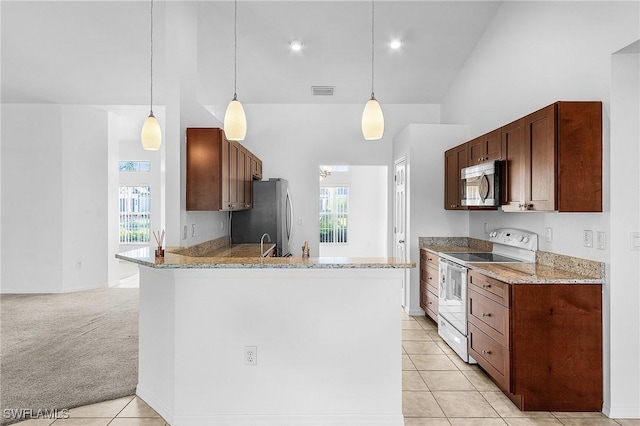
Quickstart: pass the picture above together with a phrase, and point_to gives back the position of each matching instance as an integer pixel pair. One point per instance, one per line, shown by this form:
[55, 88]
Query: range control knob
[519, 238]
[525, 240]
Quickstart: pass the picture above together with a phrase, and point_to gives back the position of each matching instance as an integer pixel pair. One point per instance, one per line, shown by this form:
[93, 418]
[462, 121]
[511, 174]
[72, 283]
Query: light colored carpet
[61, 351]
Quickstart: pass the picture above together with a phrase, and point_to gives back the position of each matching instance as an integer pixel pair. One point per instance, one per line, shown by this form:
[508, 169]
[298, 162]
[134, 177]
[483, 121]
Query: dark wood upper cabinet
[579, 131]
[219, 172]
[554, 159]
[204, 169]
[515, 170]
[485, 148]
[455, 160]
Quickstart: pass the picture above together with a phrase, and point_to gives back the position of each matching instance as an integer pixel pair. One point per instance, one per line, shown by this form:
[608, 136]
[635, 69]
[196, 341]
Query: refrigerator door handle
[289, 214]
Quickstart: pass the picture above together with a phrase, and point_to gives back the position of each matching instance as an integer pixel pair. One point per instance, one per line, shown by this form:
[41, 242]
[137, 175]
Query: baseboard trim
[616, 412]
[48, 291]
[416, 312]
[291, 420]
[152, 401]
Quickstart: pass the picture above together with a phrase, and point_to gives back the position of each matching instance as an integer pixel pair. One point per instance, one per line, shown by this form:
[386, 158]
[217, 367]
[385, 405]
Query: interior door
[399, 221]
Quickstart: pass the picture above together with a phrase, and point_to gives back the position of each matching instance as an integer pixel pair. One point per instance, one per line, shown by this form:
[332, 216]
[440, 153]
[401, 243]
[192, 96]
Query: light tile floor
[438, 389]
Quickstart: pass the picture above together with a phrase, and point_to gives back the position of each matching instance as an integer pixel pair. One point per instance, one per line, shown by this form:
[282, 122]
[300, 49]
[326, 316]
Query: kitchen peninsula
[324, 336]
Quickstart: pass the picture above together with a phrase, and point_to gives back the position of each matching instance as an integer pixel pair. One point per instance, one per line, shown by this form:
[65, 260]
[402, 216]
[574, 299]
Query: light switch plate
[587, 238]
[601, 240]
[548, 235]
[635, 241]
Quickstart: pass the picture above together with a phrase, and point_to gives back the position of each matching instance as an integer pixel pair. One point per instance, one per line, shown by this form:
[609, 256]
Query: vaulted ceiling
[97, 52]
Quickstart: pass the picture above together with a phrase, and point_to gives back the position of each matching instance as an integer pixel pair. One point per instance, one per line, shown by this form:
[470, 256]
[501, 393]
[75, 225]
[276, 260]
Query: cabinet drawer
[490, 317]
[493, 289]
[429, 257]
[432, 279]
[491, 356]
[431, 305]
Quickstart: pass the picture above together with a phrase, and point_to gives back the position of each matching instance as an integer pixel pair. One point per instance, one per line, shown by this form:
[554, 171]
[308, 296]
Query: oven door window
[453, 295]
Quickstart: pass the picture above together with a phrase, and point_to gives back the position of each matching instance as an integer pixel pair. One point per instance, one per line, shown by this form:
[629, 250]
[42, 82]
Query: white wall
[31, 198]
[293, 140]
[55, 180]
[84, 198]
[533, 54]
[183, 110]
[423, 146]
[624, 293]
[367, 220]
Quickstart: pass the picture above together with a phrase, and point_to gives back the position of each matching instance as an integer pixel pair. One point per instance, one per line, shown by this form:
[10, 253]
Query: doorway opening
[353, 211]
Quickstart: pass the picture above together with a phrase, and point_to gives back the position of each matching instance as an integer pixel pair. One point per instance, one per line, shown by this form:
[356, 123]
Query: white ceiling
[97, 52]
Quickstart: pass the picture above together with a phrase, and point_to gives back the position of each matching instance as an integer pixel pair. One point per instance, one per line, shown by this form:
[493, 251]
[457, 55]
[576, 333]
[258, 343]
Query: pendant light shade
[235, 121]
[372, 117]
[151, 135]
[372, 120]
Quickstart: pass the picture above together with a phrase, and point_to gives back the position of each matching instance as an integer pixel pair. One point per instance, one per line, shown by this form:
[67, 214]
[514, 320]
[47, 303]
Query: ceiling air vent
[322, 90]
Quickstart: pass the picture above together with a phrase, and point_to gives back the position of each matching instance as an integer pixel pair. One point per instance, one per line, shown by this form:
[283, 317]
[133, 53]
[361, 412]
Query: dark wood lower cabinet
[540, 343]
[429, 284]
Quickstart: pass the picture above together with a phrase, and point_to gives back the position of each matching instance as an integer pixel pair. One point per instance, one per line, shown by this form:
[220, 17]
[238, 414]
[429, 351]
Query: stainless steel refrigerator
[272, 213]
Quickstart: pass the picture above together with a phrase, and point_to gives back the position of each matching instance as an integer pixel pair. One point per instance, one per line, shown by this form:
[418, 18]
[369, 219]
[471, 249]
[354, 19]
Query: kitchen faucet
[262, 242]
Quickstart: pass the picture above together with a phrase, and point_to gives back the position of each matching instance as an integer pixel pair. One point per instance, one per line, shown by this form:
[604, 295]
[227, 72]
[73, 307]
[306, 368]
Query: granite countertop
[533, 273]
[549, 268]
[240, 250]
[145, 256]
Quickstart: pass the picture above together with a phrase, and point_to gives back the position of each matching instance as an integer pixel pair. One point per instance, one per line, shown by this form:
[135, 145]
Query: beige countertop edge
[507, 273]
[531, 273]
[174, 261]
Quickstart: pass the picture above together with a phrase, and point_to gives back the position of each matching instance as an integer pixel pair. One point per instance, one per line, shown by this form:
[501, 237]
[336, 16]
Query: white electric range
[509, 246]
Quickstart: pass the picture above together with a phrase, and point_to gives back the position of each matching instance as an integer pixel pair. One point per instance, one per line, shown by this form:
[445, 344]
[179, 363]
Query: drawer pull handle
[486, 314]
[486, 352]
[486, 285]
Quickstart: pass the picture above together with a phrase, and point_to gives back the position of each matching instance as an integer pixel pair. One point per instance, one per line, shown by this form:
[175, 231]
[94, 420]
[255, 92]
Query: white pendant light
[151, 135]
[235, 121]
[372, 117]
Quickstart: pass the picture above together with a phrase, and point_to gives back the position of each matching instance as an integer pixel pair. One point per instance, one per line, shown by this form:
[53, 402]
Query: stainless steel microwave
[481, 184]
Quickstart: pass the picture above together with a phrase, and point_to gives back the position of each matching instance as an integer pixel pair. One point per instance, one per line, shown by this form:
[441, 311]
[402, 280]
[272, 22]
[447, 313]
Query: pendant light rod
[235, 49]
[151, 135]
[372, 43]
[151, 101]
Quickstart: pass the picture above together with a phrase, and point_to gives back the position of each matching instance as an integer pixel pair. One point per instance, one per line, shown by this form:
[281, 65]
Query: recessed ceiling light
[395, 44]
[295, 45]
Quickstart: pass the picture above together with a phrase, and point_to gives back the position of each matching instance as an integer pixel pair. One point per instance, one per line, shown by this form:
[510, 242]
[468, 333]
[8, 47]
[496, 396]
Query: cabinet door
[540, 141]
[485, 148]
[234, 149]
[513, 152]
[241, 178]
[455, 160]
[203, 162]
[256, 168]
[225, 163]
[248, 179]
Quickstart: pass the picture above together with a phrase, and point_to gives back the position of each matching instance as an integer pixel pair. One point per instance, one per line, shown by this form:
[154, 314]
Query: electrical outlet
[486, 228]
[221, 225]
[184, 233]
[635, 241]
[601, 240]
[250, 355]
[587, 238]
[548, 235]
[79, 264]
[193, 229]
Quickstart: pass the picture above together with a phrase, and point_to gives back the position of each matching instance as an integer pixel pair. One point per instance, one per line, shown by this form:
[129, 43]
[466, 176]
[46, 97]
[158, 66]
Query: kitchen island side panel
[328, 346]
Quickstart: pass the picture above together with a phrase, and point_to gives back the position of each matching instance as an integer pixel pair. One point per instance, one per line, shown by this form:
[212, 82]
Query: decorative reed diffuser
[159, 239]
